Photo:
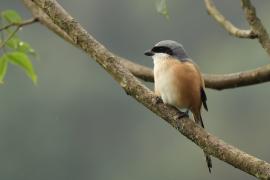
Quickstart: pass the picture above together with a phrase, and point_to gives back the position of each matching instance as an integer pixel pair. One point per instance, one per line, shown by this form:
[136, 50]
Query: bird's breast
[177, 83]
[165, 84]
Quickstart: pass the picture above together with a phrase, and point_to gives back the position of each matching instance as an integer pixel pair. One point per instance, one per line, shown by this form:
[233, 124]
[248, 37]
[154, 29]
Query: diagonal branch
[44, 19]
[256, 24]
[226, 24]
[112, 64]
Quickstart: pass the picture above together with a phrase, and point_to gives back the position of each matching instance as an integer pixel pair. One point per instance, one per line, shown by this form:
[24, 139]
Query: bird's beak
[149, 53]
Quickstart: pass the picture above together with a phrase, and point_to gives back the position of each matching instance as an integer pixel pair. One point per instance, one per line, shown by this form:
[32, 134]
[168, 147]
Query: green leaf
[22, 60]
[25, 48]
[161, 7]
[11, 16]
[3, 68]
[18, 45]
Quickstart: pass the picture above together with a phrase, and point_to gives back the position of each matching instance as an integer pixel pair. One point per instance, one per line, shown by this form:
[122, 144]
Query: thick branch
[112, 64]
[213, 11]
[256, 25]
[44, 19]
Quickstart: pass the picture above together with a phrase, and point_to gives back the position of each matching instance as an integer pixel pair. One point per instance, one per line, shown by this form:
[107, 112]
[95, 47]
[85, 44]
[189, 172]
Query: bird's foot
[157, 100]
[183, 114]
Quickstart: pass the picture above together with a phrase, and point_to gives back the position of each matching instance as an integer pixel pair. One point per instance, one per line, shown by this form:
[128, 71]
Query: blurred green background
[77, 123]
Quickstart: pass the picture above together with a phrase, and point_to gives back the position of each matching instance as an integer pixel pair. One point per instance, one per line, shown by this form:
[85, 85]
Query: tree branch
[214, 12]
[240, 79]
[138, 70]
[257, 28]
[212, 81]
[44, 19]
[112, 64]
[218, 82]
[256, 25]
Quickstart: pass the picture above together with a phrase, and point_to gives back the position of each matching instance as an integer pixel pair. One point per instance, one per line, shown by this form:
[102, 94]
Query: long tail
[198, 119]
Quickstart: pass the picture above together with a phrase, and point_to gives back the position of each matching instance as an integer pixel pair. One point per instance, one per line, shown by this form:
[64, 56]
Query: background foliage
[14, 50]
[78, 124]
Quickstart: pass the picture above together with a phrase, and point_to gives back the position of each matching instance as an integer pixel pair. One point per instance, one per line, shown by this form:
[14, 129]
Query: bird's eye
[162, 49]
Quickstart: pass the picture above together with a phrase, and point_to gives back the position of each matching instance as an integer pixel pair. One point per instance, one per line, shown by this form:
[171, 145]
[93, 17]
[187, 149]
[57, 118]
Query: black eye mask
[162, 49]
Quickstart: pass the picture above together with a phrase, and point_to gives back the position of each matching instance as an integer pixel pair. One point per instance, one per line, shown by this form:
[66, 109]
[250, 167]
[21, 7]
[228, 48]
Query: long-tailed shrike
[178, 80]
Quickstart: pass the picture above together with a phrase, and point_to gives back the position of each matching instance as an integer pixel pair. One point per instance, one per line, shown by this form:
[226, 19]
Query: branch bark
[113, 65]
[44, 19]
[240, 79]
[214, 12]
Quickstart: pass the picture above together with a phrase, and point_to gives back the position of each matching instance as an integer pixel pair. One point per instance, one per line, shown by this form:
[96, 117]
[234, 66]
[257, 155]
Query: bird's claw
[183, 114]
[157, 100]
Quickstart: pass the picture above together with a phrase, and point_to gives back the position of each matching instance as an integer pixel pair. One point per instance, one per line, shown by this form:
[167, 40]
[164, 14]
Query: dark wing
[203, 95]
[204, 99]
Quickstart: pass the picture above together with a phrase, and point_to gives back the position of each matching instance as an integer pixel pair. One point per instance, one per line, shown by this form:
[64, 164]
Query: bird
[178, 81]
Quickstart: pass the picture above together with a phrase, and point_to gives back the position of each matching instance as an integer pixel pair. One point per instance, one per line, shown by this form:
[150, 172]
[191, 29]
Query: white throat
[159, 57]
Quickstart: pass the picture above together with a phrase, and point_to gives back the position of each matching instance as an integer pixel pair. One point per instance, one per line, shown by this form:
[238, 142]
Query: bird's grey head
[169, 47]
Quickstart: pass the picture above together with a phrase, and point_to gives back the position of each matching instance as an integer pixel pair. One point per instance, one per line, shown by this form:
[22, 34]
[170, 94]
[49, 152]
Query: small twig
[9, 37]
[2, 34]
[256, 24]
[20, 24]
[226, 24]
